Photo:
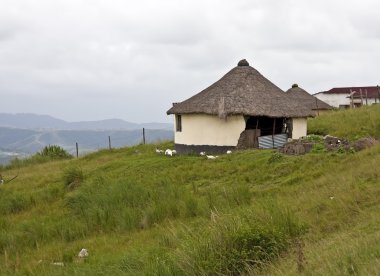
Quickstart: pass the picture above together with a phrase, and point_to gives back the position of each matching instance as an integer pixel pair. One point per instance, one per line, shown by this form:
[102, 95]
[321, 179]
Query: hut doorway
[266, 125]
[259, 126]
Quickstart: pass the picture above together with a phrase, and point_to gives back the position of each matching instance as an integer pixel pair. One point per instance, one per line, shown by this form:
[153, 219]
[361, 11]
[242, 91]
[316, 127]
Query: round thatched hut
[243, 109]
[298, 94]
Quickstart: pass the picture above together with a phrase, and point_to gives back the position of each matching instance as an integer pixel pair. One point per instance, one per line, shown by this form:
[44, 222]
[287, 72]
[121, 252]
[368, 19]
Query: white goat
[83, 253]
[169, 152]
[211, 157]
[229, 151]
[174, 151]
[58, 264]
[202, 153]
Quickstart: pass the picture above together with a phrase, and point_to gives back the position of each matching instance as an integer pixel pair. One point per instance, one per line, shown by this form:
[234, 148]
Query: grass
[140, 213]
[352, 123]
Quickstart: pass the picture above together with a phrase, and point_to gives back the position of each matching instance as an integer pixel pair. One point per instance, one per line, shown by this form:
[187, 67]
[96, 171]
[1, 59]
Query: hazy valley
[25, 134]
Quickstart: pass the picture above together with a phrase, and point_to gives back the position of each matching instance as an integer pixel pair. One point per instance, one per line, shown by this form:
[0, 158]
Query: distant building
[241, 110]
[315, 104]
[346, 97]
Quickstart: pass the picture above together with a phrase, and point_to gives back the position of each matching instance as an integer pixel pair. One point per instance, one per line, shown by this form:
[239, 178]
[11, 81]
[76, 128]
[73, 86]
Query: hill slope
[140, 213]
[351, 123]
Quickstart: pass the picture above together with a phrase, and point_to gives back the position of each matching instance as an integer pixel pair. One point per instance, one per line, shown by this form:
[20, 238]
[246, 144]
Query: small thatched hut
[298, 94]
[243, 109]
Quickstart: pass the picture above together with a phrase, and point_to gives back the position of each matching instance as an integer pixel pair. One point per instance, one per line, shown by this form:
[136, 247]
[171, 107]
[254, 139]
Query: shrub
[48, 153]
[54, 152]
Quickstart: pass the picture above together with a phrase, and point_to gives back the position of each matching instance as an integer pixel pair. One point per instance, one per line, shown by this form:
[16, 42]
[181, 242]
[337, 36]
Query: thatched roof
[297, 93]
[243, 90]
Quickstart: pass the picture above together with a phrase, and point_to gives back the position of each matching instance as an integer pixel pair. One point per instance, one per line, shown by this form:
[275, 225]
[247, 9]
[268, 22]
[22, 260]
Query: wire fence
[118, 140]
[79, 143]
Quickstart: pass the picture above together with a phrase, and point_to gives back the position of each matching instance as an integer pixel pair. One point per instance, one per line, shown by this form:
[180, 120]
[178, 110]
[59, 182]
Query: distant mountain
[30, 121]
[34, 121]
[16, 142]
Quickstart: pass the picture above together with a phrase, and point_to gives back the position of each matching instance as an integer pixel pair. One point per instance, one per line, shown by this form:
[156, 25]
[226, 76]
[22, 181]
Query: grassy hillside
[351, 124]
[140, 213]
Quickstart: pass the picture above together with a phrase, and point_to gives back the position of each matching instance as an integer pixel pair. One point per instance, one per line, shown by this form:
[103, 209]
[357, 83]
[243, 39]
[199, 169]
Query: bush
[48, 153]
[54, 152]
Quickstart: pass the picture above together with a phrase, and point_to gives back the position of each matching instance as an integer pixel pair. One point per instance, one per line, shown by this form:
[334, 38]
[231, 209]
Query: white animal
[211, 157]
[202, 153]
[1, 181]
[169, 152]
[174, 151]
[58, 263]
[229, 152]
[83, 253]
[159, 151]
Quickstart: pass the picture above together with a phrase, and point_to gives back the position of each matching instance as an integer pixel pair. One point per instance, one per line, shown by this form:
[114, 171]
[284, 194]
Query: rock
[364, 143]
[296, 148]
[331, 140]
[334, 143]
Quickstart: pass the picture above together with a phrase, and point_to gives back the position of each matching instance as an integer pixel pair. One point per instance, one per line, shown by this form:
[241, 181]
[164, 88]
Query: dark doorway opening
[258, 126]
[266, 125]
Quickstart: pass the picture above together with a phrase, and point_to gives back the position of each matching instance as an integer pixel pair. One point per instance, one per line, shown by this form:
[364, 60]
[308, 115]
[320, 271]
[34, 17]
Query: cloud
[133, 59]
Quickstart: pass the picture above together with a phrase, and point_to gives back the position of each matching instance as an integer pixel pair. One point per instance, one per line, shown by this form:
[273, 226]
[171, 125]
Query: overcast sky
[97, 59]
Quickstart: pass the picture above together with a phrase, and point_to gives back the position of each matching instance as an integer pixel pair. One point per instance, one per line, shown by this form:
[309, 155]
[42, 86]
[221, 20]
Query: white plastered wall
[370, 101]
[299, 128]
[203, 129]
[334, 99]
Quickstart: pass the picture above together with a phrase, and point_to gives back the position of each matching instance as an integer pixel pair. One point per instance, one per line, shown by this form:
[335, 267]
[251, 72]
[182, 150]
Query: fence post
[76, 145]
[144, 136]
[109, 142]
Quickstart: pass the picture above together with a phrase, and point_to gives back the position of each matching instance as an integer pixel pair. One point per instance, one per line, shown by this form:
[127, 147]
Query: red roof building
[345, 97]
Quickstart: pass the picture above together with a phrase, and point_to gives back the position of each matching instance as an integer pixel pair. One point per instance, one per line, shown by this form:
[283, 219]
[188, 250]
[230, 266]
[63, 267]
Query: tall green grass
[141, 213]
[351, 124]
[234, 244]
